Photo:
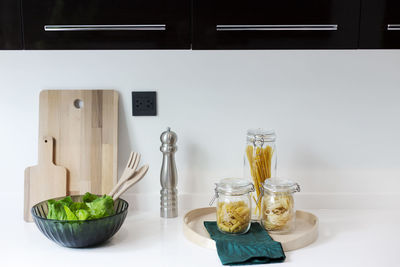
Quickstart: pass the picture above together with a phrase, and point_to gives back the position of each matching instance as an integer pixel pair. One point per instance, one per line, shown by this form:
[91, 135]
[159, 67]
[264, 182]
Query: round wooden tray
[305, 233]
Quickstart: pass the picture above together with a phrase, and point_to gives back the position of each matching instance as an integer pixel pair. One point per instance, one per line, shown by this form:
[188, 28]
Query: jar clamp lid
[232, 187]
[259, 136]
[275, 185]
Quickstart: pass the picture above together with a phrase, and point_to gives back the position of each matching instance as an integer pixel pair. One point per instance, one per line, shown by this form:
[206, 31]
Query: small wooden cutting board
[45, 180]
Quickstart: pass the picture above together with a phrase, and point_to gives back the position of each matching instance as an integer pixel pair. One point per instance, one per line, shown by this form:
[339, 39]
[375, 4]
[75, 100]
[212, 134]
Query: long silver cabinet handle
[393, 27]
[296, 27]
[138, 27]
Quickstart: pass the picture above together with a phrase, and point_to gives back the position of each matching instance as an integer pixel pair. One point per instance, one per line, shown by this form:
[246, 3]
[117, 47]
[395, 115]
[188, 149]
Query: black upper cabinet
[202, 24]
[10, 24]
[105, 24]
[281, 24]
[380, 24]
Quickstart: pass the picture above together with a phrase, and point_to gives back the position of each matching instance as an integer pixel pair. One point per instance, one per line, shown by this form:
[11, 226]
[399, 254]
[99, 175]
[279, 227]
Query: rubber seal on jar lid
[234, 186]
[276, 185]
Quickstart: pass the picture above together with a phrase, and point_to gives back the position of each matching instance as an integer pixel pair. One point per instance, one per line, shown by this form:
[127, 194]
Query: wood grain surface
[44, 181]
[85, 126]
[305, 233]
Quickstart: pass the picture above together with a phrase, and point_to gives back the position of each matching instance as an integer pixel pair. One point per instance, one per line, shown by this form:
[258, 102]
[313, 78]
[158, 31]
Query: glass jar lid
[276, 185]
[260, 135]
[234, 186]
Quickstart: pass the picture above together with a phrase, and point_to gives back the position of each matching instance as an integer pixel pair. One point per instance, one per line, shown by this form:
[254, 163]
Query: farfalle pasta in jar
[278, 213]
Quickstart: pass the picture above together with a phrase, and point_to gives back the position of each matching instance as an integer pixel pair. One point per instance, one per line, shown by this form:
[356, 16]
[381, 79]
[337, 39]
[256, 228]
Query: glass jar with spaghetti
[260, 161]
[233, 205]
[278, 214]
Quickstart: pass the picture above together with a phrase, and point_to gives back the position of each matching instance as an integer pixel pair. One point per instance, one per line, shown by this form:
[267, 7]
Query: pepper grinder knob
[168, 176]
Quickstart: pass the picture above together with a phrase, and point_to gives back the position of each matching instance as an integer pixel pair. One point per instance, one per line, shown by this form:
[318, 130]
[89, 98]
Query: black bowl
[79, 234]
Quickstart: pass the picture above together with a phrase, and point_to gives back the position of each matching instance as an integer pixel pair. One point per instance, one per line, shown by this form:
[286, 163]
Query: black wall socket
[144, 103]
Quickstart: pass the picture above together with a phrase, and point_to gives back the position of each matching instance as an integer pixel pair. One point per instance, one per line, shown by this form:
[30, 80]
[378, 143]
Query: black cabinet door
[105, 24]
[280, 24]
[380, 24]
[10, 24]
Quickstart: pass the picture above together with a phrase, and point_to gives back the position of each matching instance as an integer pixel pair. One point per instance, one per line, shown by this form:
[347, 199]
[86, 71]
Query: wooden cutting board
[44, 181]
[84, 124]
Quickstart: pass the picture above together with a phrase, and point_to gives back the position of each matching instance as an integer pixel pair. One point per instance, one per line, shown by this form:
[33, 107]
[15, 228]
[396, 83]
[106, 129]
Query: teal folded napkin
[254, 247]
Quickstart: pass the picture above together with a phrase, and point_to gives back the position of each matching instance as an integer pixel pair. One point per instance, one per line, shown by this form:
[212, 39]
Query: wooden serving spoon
[139, 174]
[129, 171]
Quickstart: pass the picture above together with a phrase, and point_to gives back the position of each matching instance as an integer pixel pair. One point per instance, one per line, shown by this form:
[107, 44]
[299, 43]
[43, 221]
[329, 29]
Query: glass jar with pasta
[233, 205]
[278, 214]
[260, 161]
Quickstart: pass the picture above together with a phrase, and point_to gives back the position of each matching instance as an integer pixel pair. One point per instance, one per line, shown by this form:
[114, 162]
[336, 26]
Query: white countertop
[346, 238]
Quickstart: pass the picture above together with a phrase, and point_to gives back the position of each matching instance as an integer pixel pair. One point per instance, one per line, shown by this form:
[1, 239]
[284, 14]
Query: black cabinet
[200, 24]
[380, 24]
[10, 24]
[281, 24]
[105, 24]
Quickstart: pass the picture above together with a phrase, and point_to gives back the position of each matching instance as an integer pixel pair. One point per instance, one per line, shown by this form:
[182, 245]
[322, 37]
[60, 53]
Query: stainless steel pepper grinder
[169, 175]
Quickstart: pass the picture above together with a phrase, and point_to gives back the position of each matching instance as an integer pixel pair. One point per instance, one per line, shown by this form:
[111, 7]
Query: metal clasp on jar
[297, 189]
[261, 195]
[216, 195]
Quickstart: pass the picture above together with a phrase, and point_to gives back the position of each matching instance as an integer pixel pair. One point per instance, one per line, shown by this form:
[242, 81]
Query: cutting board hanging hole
[78, 103]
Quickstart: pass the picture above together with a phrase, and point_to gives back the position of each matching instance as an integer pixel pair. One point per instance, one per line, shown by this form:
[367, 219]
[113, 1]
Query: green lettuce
[70, 215]
[78, 206]
[89, 197]
[101, 207]
[56, 208]
[82, 215]
[92, 207]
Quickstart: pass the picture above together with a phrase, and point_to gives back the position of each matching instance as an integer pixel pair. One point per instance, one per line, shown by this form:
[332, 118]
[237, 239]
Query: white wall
[336, 114]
